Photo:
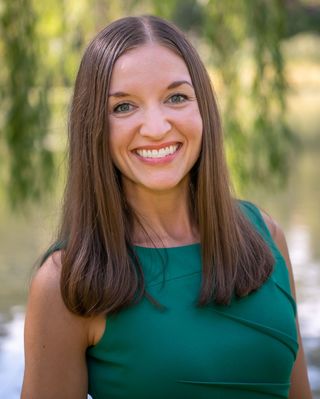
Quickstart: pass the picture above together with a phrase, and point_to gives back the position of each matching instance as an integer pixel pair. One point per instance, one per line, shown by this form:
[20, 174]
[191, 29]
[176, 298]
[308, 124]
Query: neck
[163, 217]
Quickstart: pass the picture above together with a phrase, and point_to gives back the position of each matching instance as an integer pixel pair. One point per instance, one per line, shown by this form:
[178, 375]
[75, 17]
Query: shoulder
[279, 238]
[47, 314]
[55, 340]
[276, 231]
[264, 220]
[45, 284]
[47, 308]
[48, 274]
[45, 300]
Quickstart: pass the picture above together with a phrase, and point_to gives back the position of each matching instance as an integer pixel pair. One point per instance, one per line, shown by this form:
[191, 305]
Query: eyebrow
[172, 85]
[177, 83]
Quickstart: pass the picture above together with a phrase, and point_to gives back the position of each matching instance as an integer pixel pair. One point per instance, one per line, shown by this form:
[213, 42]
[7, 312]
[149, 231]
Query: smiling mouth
[160, 153]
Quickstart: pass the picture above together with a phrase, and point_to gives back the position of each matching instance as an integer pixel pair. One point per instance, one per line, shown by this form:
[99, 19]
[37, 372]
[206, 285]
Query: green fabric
[242, 351]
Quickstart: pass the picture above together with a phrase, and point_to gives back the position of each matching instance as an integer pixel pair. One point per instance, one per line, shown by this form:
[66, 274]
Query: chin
[162, 185]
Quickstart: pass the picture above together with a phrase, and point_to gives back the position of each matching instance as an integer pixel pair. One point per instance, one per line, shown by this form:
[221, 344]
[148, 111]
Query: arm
[300, 387]
[55, 341]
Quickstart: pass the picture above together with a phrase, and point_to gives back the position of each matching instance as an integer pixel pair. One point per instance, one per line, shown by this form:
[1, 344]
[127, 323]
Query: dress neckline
[184, 246]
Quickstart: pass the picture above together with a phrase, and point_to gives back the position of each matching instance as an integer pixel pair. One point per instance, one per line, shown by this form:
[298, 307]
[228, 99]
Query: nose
[155, 124]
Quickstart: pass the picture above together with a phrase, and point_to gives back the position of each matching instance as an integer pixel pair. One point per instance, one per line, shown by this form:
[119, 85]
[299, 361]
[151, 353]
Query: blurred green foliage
[24, 94]
[41, 45]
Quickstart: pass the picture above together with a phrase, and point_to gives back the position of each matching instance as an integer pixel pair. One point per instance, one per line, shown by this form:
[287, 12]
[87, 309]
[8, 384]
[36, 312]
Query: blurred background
[264, 60]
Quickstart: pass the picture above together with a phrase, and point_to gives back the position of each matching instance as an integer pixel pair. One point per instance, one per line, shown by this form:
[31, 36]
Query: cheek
[120, 139]
[193, 125]
[118, 134]
[122, 131]
[192, 115]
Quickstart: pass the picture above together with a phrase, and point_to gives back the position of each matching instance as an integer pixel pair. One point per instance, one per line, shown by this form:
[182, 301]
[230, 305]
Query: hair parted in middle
[100, 270]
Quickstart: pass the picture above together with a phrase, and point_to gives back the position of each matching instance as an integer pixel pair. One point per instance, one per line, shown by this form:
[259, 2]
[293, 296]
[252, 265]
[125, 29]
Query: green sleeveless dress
[242, 351]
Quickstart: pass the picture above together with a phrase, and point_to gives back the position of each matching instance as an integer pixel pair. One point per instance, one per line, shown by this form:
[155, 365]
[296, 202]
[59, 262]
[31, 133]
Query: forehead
[148, 63]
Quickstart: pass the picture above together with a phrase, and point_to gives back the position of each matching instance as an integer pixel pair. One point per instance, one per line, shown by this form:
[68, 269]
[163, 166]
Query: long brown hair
[100, 272]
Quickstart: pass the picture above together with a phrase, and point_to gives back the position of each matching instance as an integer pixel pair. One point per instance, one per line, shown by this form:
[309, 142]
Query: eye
[178, 98]
[122, 108]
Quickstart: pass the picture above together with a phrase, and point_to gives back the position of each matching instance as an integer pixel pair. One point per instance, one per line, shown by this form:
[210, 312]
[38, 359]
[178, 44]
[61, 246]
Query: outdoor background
[264, 60]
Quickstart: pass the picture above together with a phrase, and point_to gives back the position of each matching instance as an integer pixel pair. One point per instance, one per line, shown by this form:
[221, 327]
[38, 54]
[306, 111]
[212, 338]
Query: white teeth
[163, 152]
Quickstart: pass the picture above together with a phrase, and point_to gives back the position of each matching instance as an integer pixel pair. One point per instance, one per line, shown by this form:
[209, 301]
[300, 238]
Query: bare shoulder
[46, 281]
[45, 294]
[55, 340]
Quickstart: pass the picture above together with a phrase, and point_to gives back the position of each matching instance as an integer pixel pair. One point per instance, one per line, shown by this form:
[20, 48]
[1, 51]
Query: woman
[160, 283]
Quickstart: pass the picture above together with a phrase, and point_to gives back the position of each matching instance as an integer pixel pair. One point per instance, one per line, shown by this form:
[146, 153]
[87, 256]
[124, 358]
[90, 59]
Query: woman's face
[155, 123]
